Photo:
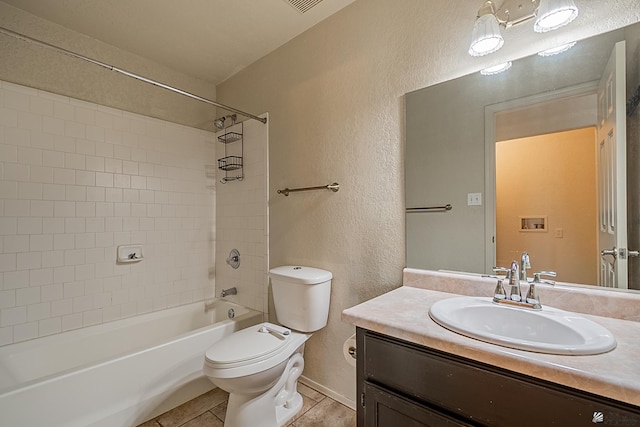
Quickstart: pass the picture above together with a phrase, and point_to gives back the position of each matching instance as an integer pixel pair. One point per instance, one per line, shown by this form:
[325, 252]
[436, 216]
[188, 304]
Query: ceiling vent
[303, 6]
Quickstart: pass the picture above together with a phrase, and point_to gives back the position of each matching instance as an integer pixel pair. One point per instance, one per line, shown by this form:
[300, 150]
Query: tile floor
[209, 409]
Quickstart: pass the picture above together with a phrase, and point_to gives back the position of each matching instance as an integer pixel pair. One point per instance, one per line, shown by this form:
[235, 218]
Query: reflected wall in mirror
[549, 105]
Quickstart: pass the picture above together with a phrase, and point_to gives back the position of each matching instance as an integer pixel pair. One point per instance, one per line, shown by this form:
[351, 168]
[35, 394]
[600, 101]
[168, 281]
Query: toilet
[260, 365]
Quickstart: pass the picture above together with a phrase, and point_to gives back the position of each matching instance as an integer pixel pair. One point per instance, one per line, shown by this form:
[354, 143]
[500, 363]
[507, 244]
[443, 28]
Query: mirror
[451, 134]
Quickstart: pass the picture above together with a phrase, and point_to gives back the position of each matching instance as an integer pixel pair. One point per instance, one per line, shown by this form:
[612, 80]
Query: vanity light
[496, 69]
[557, 50]
[549, 15]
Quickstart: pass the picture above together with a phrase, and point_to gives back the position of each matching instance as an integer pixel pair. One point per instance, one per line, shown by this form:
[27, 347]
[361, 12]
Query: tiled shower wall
[77, 180]
[242, 220]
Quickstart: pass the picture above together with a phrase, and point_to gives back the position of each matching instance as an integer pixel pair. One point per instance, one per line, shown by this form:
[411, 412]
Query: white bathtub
[120, 373]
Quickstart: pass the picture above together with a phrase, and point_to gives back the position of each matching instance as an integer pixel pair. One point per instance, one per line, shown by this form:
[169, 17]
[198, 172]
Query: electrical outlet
[474, 199]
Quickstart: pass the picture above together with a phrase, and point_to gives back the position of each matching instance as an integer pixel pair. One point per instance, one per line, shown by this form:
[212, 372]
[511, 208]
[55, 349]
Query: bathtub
[120, 373]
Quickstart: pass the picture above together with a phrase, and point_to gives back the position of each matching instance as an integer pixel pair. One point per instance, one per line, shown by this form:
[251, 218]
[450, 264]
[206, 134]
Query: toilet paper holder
[352, 351]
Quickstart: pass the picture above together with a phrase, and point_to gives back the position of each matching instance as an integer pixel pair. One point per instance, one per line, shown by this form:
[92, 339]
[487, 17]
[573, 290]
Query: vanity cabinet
[403, 384]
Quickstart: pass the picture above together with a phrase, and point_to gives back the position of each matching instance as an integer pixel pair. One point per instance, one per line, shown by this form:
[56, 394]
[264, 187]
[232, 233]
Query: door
[612, 172]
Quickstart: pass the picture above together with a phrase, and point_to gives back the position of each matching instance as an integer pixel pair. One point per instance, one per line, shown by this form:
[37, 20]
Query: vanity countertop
[404, 314]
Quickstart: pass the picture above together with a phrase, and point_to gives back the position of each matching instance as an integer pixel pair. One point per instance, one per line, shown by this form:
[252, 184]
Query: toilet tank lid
[300, 274]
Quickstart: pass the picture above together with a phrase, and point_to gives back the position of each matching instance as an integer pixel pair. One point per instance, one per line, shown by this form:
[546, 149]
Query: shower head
[219, 123]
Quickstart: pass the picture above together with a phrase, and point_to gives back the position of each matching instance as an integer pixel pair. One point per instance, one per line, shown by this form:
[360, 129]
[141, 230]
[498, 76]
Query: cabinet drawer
[478, 392]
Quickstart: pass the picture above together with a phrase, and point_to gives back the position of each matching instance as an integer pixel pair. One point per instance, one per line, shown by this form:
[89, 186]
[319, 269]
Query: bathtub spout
[230, 291]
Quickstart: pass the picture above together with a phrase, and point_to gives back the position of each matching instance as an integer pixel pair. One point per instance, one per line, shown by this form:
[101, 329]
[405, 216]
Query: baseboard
[328, 392]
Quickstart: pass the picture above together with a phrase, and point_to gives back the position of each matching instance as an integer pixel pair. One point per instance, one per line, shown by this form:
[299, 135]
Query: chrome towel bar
[445, 208]
[333, 187]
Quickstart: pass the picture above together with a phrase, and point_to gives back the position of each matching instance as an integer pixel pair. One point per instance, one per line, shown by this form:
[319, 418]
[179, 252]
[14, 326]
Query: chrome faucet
[525, 264]
[515, 294]
[230, 291]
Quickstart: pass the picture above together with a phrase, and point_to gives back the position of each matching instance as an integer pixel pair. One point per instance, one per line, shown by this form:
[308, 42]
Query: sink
[548, 330]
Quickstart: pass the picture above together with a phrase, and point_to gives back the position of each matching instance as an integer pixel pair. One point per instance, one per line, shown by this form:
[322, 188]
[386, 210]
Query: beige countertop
[404, 313]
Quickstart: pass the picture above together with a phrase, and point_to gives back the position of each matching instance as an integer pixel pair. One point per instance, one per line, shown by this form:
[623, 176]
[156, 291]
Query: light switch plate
[474, 199]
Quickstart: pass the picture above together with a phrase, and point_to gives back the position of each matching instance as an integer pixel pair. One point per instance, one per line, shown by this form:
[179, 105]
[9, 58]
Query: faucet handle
[536, 277]
[502, 270]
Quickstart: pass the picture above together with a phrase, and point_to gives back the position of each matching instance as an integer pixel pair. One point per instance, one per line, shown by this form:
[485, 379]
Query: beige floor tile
[205, 420]
[327, 413]
[307, 403]
[188, 411]
[220, 411]
[150, 423]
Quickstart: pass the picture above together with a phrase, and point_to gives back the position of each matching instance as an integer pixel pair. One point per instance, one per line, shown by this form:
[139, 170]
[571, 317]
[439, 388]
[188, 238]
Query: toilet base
[273, 408]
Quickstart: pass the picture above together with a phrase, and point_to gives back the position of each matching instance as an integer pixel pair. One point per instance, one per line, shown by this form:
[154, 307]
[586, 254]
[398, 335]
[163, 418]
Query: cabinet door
[386, 409]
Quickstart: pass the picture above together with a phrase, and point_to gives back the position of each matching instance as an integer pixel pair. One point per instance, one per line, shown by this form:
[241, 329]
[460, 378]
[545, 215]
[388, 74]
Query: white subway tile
[85, 147]
[104, 119]
[94, 256]
[96, 194]
[74, 129]
[6, 335]
[29, 225]
[95, 133]
[87, 178]
[53, 158]
[86, 114]
[113, 224]
[29, 121]
[26, 296]
[82, 303]
[38, 311]
[42, 140]
[8, 190]
[74, 161]
[85, 240]
[41, 242]
[139, 182]
[64, 209]
[53, 192]
[122, 152]
[85, 271]
[75, 192]
[73, 289]
[71, 321]
[131, 195]
[17, 136]
[52, 125]
[104, 150]
[30, 156]
[8, 153]
[41, 174]
[105, 240]
[94, 164]
[129, 167]
[7, 298]
[64, 176]
[42, 106]
[85, 209]
[25, 331]
[121, 181]
[16, 279]
[114, 195]
[61, 307]
[13, 316]
[16, 100]
[52, 225]
[28, 260]
[52, 259]
[74, 257]
[63, 241]
[15, 244]
[41, 277]
[104, 269]
[64, 111]
[67, 276]
[17, 207]
[138, 210]
[110, 313]
[113, 165]
[64, 144]
[122, 209]
[92, 317]
[8, 117]
[29, 191]
[104, 179]
[40, 208]
[50, 326]
[95, 225]
[16, 172]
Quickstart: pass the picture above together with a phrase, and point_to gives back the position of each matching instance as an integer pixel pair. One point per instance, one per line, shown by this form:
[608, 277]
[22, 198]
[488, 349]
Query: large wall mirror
[527, 159]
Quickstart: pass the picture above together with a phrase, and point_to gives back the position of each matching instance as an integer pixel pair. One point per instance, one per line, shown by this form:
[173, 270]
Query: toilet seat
[249, 351]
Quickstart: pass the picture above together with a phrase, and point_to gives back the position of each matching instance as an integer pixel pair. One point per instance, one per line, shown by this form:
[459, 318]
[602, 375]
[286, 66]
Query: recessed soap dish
[129, 253]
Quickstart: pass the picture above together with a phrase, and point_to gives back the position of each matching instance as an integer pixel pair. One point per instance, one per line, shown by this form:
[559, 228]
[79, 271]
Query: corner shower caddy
[231, 162]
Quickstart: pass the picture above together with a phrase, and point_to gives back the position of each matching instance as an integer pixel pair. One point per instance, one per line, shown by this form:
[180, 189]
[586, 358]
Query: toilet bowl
[259, 366]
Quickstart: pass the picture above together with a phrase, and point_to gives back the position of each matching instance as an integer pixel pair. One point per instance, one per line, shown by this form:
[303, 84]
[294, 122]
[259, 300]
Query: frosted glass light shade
[486, 37]
[496, 69]
[553, 14]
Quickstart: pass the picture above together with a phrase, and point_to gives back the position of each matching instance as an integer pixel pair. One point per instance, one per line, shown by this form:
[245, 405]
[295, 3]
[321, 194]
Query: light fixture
[486, 37]
[496, 69]
[557, 50]
[553, 14]
[549, 15]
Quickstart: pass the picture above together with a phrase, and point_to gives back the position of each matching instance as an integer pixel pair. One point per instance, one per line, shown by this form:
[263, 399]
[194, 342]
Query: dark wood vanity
[403, 384]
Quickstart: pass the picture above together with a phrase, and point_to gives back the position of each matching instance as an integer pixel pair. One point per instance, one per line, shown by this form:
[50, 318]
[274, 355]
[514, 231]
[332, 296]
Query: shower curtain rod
[19, 36]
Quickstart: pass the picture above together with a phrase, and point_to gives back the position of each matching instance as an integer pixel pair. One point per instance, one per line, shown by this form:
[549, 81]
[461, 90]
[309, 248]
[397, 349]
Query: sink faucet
[230, 291]
[524, 265]
[515, 294]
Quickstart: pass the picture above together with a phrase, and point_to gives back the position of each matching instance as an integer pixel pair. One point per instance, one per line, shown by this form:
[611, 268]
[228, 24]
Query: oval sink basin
[548, 330]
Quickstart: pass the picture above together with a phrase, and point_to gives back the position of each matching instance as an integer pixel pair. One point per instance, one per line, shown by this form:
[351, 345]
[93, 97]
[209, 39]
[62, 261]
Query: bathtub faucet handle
[230, 291]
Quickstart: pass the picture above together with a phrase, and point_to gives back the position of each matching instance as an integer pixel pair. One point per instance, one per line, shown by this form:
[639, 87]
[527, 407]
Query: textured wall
[77, 180]
[34, 66]
[335, 99]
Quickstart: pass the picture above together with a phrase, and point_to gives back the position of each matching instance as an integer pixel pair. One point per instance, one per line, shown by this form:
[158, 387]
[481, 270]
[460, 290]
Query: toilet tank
[301, 296]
